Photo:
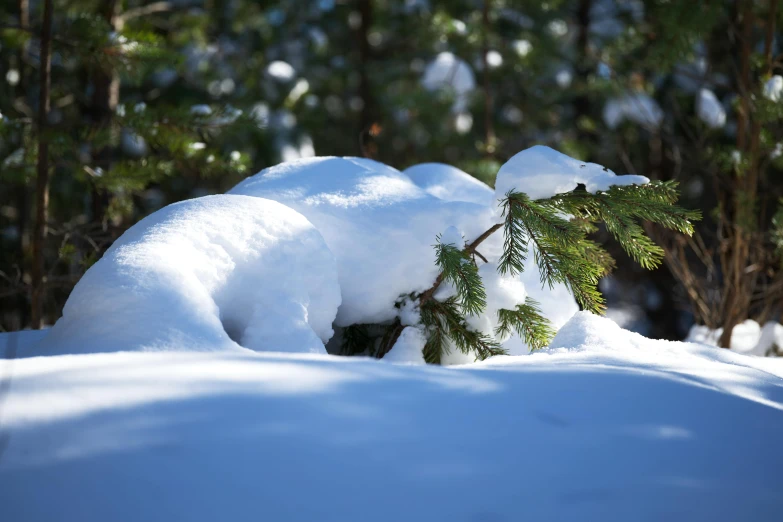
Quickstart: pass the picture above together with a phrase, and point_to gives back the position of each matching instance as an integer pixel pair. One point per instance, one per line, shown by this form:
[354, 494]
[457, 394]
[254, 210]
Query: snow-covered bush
[398, 293]
[268, 272]
[212, 273]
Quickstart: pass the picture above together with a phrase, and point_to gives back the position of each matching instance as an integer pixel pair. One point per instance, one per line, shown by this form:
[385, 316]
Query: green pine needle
[527, 321]
[458, 268]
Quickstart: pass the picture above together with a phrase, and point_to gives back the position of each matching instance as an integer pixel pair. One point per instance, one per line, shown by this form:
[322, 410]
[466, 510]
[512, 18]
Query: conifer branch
[526, 320]
[457, 267]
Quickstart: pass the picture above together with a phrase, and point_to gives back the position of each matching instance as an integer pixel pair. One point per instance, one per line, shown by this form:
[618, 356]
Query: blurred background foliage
[155, 102]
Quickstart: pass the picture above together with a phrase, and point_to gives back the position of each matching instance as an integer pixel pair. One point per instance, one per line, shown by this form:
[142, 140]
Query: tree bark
[489, 127]
[367, 147]
[105, 97]
[23, 195]
[42, 180]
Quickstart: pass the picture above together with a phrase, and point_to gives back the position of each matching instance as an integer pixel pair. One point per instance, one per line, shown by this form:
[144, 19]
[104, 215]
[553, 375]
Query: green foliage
[559, 246]
[357, 340]
[459, 269]
[526, 320]
[447, 327]
[776, 231]
[557, 230]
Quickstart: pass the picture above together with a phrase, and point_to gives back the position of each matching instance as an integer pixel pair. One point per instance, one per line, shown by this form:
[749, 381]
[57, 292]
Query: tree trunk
[489, 127]
[740, 277]
[581, 101]
[368, 147]
[105, 97]
[42, 181]
[23, 195]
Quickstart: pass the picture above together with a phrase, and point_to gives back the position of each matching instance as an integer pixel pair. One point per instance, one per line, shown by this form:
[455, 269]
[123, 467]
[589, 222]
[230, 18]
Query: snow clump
[773, 88]
[449, 72]
[379, 224]
[213, 273]
[449, 183]
[639, 108]
[542, 172]
[709, 109]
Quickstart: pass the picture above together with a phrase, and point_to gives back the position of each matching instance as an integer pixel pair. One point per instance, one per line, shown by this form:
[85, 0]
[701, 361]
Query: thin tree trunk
[42, 181]
[23, 195]
[581, 101]
[489, 127]
[105, 97]
[368, 148]
[740, 282]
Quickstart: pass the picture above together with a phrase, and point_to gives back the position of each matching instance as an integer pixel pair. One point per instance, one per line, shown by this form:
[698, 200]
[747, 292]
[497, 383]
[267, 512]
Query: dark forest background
[111, 109]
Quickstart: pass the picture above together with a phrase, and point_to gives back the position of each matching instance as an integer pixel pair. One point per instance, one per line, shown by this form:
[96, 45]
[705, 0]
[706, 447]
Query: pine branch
[445, 322]
[458, 268]
[560, 249]
[527, 321]
[427, 294]
[356, 340]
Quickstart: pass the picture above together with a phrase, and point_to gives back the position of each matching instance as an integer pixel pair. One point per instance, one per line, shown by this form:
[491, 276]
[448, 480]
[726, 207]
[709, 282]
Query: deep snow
[205, 274]
[608, 426]
[380, 226]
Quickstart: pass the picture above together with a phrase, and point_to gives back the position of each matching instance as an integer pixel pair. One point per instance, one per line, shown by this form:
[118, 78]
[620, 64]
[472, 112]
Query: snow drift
[206, 274]
[379, 224]
[608, 427]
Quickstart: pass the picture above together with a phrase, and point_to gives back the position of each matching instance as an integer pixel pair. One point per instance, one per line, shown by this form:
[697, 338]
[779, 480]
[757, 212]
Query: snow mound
[748, 337]
[639, 108]
[205, 274]
[409, 347]
[449, 183]
[542, 172]
[379, 224]
[709, 109]
[447, 71]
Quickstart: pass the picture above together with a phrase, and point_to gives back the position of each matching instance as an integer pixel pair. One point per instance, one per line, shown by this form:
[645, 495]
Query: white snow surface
[377, 222]
[607, 425]
[199, 273]
[709, 109]
[639, 108]
[748, 337]
[773, 88]
[449, 183]
[409, 347]
[542, 172]
[447, 71]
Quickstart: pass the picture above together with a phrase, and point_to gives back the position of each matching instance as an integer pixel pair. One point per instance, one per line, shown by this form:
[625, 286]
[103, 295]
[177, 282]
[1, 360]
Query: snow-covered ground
[178, 384]
[604, 426]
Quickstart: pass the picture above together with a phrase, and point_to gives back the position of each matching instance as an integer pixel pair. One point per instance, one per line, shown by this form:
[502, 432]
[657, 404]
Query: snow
[494, 59]
[522, 47]
[452, 236]
[639, 108]
[607, 426]
[280, 70]
[503, 291]
[709, 109]
[542, 172]
[205, 274]
[13, 343]
[748, 337]
[408, 348]
[449, 183]
[447, 71]
[378, 223]
[773, 88]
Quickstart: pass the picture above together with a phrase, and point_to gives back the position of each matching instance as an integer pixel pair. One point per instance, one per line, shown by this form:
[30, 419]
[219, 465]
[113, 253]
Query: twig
[471, 248]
